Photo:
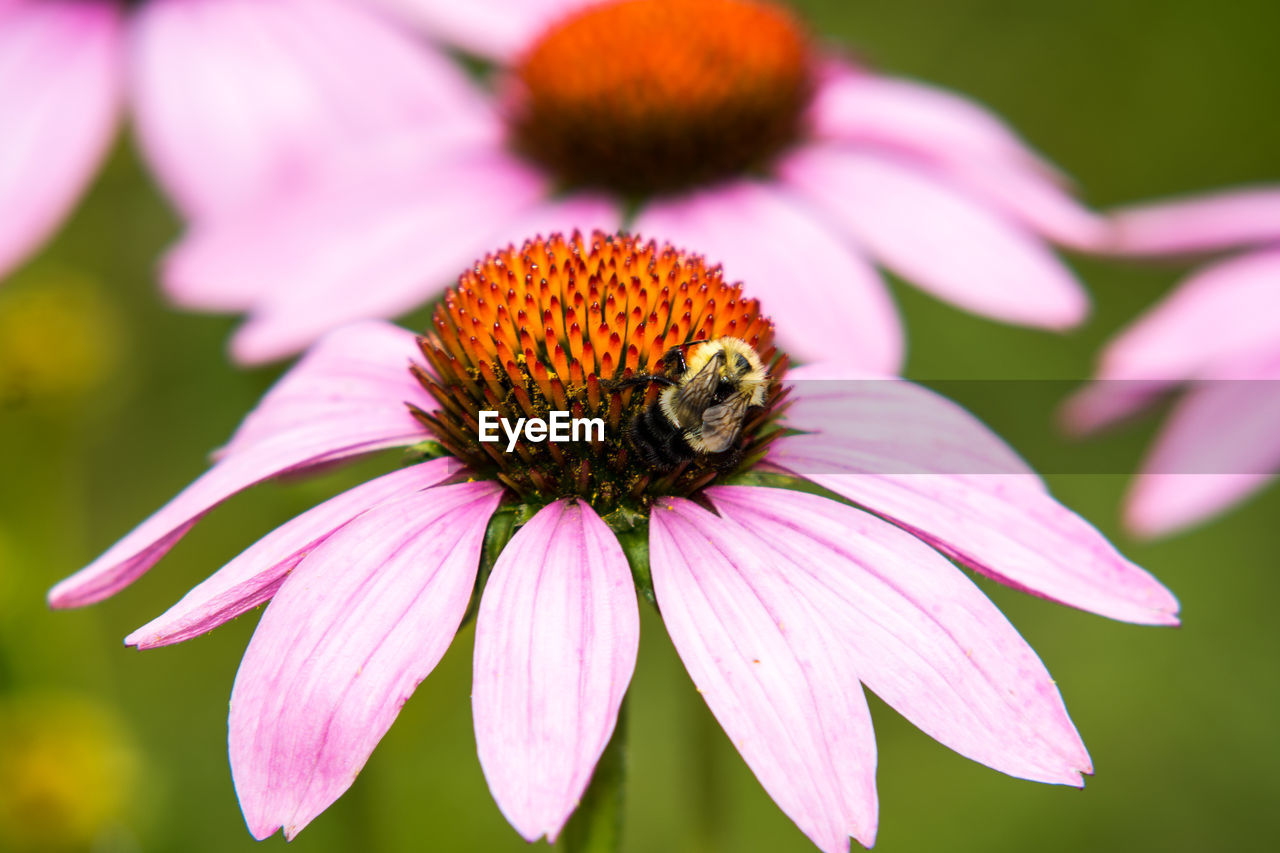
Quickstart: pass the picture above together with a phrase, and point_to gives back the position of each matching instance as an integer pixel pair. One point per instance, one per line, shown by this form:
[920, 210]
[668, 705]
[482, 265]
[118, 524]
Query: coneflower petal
[995, 520]
[845, 312]
[354, 252]
[59, 95]
[255, 575]
[352, 631]
[556, 641]
[1221, 443]
[919, 633]
[935, 236]
[772, 671]
[914, 118]
[345, 398]
[236, 99]
[1241, 217]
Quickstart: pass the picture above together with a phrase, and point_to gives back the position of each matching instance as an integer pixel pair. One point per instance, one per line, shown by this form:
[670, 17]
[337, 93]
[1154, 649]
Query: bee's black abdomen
[659, 443]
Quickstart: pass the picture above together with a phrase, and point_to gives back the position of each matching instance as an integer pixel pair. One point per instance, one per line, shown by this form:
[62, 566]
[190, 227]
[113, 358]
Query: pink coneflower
[1220, 331]
[709, 121]
[231, 97]
[779, 602]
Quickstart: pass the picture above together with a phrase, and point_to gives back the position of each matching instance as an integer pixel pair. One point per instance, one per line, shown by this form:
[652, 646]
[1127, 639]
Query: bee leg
[633, 381]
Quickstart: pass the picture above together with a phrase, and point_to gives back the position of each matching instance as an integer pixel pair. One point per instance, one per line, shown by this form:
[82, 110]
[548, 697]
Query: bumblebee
[709, 386]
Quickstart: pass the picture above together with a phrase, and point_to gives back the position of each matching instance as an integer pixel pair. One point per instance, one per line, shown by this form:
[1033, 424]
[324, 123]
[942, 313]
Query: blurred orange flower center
[560, 325]
[645, 95]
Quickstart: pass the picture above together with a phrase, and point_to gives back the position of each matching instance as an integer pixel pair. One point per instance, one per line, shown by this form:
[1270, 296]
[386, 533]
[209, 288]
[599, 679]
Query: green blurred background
[109, 402]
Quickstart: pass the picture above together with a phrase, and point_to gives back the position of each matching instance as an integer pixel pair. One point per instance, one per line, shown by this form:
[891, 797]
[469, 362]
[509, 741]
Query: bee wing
[695, 393]
[720, 424]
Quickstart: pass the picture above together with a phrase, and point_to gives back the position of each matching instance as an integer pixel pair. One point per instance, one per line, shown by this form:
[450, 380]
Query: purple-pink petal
[758, 231]
[936, 236]
[255, 575]
[1242, 217]
[773, 672]
[914, 118]
[60, 85]
[1224, 313]
[368, 249]
[496, 29]
[238, 98]
[1004, 525]
[1220, 445]
[919, 633]
[345, 398]
[878, 425]
[352, 631]
[556, 641]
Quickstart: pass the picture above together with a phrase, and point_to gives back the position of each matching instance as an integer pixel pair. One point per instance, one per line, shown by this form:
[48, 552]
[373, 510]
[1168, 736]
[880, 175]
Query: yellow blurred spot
[68, 769]
[59, 339]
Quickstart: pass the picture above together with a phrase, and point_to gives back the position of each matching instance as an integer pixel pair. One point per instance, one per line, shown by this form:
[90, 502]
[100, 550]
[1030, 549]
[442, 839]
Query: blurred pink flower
[1219, 332]
[843, 163]
[780, 603]
[231, 97]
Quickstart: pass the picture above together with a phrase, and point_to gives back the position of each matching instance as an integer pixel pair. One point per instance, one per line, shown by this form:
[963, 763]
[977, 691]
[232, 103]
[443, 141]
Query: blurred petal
[1221, 444]
[1100, 404]
[237, 98]
[919, 633]
[1219, 316]
[254, 576]
[775, 675]
[914, 118]
[59, 95]
[585, 212]
[1204, 223]
[372, 251]
[939, 238]
[758, 232]
[1036, 202]
[556, 641]
[495, 29]
[352, 631]
[235, 263]
[341, 400]
[1005, 526]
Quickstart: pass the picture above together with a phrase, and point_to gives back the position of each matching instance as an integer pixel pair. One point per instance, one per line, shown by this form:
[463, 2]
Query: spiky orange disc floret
[643, 95]
[556, 325]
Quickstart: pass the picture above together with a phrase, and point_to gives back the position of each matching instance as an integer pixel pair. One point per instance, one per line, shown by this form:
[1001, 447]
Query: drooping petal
[352, 631]
[1220, 445]
[238, 98]
[939, 238]
[345, 398]
[495, 29]
[757, 232]
[556, 641]
[880, 425]
[255, 575]
[60, 76]
[378, 249]
[1224, 313]
[918, 632]
[773, 672]
[914, 118]
[1242, 217]
[1036, 201]
[1004, 525]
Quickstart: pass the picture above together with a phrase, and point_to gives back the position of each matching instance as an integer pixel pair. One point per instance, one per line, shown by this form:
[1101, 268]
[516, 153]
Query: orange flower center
[567, 325]
[645, 95]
